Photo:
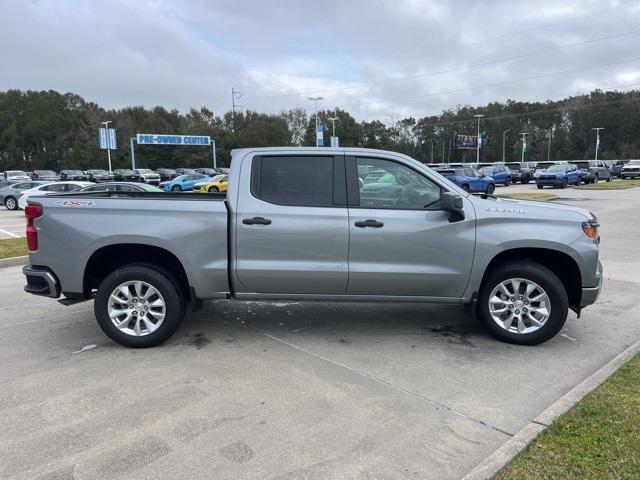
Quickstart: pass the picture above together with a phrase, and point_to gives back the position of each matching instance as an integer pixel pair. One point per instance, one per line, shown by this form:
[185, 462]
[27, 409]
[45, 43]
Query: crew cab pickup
[314, 224]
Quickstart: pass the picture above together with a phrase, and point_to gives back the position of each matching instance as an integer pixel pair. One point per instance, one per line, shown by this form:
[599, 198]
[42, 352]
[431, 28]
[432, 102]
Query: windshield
[15, 173]
[99, 172]
[543, 165]
[488, 170]
[582, 165]
[634, 162]
[144, 171]
[513, 166]
[73, 172]
[219, 178]
[189, 171]
[45, 172]
[125, 172]
[556, 168]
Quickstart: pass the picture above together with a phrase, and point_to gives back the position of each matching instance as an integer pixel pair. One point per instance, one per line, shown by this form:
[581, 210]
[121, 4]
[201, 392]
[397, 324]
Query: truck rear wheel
[523, 303]
[139, 306]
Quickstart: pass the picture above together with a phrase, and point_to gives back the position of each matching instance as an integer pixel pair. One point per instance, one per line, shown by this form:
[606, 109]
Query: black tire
[11, 203]
[596, 179]
[564, 183]
[163, 281]
[465, 187]
[526, 179]
[539, 274]
[507, 182]
[490, 189]
[539, 187]
[609, 178]
[176, 188]
[213, 190]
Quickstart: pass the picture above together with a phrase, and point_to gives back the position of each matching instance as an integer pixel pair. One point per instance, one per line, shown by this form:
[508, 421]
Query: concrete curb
[14, 261]
[507, 452]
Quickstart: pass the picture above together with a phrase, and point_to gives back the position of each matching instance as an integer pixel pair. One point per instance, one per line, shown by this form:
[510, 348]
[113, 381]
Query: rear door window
[295, 181]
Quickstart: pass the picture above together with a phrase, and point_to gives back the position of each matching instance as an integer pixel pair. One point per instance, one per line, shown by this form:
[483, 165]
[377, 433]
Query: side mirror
[452, 203]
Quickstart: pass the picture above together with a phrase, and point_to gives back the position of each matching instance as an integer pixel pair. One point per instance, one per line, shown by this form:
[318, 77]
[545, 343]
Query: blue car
[469, 179]
[183, 183]
[500, 174]
[559, 176]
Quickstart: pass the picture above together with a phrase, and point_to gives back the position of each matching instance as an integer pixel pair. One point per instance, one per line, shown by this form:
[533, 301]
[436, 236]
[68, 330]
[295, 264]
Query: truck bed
[75, 228]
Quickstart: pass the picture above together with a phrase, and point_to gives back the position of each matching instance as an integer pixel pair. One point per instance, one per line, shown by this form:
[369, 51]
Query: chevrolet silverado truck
[314, 224]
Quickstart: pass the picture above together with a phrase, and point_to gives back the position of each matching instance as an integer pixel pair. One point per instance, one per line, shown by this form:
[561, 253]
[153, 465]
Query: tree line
[52, 130]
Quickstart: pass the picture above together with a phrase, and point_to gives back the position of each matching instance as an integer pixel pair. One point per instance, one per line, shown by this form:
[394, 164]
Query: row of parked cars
[483, 177]
[17, 186]
[141, 175]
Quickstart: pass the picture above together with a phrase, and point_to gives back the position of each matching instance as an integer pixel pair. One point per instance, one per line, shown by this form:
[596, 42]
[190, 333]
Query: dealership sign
[467, 142]
[157, 139]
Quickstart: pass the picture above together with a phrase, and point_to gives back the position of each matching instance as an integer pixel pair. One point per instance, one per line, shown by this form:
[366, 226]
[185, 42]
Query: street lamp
[106, 136]
[597, 129]
[431, 150]
[478, 116]
[550, 135]
[333, 128]
[315, 101]
[524, 143]
[504, 139]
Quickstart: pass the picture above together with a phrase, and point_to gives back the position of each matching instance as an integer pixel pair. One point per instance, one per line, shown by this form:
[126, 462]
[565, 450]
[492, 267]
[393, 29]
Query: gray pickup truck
[314, 224]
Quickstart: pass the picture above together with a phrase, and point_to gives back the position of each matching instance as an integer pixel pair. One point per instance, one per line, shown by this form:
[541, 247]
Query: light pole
[106, 136]
[431, 150]
[478, 116]
[524, 143]
[549, 134]
[333, 129]
[315, 101]
[504, 140]
[597, 129]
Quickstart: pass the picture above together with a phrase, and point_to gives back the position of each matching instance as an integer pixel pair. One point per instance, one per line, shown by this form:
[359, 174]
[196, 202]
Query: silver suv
[593, 171]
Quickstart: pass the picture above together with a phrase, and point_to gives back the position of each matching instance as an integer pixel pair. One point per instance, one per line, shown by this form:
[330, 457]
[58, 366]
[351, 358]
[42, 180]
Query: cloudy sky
[375, 58]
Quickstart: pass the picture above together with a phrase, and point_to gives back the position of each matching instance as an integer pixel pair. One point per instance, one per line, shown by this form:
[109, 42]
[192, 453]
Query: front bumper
[41, 281]
[550, 182]
[630, 174]
[590, 294]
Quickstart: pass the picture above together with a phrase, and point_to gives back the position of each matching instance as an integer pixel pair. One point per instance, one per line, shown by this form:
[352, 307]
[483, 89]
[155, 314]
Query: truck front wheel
[523, 303]
[139, 306]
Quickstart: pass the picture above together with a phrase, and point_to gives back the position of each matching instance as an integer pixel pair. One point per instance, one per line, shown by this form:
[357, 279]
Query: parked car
[185, 171]
[298, 227]
[77, 175]
[468, 179]
[125, 175]
[521, 171]
[148, 176]
[121, 187]
[183, 183]
[216, 184]
[16, 176]
[99, 176]
[593, 171]
[46, 175]
[10, 194]
[617, 167]
[210, 172]
[631, 170]
[166, 174]
[499, 173]
[50, 188]
[559, 175]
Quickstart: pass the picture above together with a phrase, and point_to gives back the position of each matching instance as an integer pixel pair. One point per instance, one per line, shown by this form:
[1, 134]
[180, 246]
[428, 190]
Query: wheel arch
[560, 263]
[110, 257]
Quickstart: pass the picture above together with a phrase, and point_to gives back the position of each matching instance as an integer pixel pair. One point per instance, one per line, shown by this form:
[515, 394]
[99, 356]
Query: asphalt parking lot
[295, 390]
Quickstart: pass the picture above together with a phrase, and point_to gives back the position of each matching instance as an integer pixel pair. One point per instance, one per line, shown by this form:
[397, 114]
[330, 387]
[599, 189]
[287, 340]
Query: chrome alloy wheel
[519, 306]
[136, 308]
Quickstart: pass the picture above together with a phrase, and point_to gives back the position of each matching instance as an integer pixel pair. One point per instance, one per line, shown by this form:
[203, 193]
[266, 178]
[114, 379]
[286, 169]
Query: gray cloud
[190, 53]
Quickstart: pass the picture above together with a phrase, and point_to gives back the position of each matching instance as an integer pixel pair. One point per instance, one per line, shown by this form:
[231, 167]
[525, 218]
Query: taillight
[32, 212]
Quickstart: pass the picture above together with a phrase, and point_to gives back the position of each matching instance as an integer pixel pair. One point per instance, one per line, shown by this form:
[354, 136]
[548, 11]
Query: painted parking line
[8, 233]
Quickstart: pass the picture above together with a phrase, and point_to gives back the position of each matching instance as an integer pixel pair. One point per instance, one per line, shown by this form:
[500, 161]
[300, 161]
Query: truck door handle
[369, 223]
[256, 221]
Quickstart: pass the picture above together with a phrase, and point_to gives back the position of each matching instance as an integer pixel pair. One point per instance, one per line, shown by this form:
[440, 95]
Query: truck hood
[531, 208]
